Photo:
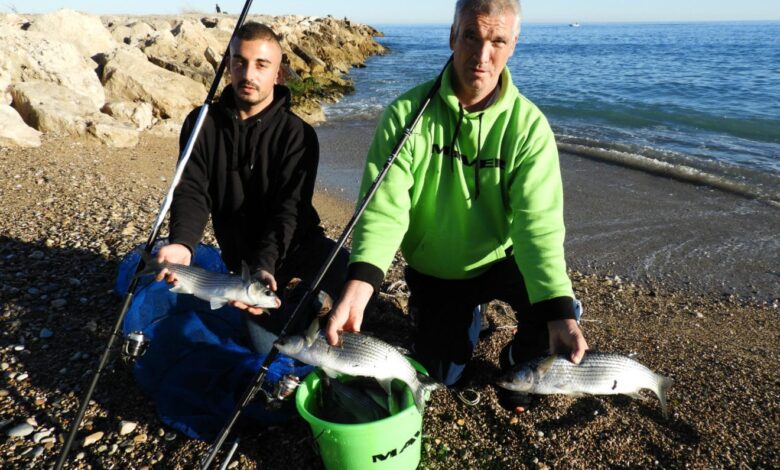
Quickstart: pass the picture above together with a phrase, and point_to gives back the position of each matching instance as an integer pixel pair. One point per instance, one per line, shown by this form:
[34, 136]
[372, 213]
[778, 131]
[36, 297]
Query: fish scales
[359, 355]
[597, 374]
[216, 288]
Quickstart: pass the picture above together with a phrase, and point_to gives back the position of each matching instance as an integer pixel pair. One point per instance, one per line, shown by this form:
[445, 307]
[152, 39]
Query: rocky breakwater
[110, 78]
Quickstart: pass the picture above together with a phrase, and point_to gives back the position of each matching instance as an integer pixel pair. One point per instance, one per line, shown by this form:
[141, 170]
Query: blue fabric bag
[199, 361]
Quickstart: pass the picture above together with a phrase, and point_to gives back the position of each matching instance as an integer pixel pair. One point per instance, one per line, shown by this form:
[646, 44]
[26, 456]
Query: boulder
[188, 50]
[113, 133]
[166, 128]
[5, 87]
[128, 77]
[28, 56]
[314, 63]
[133, 34]
[49, 107]
[139, 115]
[86, 32]
[14, 132]
[14, 21]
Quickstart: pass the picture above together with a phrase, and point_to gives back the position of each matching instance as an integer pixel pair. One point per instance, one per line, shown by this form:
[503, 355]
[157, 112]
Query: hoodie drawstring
[478, 161]
[455, 137]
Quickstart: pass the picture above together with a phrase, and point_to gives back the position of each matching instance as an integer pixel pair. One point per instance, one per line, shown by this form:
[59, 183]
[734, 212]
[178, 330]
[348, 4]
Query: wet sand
[627, 223]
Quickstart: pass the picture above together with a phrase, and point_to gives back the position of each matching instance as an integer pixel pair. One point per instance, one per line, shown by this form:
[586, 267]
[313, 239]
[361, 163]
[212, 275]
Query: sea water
[701, 98]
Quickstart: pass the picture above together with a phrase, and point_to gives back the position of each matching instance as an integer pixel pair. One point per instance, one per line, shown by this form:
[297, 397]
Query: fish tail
[151, 266]
[423, 391]
[664, 383]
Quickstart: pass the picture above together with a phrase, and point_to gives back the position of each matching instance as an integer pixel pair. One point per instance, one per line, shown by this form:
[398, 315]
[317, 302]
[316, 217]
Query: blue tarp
[199, 362]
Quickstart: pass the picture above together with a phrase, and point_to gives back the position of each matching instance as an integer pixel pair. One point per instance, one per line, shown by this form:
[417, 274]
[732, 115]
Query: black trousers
[304, 263]
[448, 319]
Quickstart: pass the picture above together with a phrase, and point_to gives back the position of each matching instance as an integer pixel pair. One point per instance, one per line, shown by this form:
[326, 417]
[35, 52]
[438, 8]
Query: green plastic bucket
[394, 442]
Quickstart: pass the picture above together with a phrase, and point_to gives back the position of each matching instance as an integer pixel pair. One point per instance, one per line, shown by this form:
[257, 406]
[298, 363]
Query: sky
[435, 11]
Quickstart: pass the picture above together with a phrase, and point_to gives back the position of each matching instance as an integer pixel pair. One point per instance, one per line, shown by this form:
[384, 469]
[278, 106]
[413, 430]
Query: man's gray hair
[489, 7]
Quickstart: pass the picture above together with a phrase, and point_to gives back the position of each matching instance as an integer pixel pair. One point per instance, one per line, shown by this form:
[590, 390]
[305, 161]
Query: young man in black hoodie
[253, 169]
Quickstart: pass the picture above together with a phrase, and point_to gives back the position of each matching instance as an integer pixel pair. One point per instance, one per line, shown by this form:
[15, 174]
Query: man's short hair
[254, 31]
[489, 7]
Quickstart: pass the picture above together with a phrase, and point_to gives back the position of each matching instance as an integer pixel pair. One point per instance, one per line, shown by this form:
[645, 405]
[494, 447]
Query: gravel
[71, 209]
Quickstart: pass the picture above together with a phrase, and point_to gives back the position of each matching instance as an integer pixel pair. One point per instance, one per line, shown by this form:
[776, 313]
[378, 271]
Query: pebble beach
[71, 210]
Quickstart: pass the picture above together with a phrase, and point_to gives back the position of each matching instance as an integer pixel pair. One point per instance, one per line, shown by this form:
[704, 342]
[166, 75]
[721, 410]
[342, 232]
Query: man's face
[254, 68]
[482, 46]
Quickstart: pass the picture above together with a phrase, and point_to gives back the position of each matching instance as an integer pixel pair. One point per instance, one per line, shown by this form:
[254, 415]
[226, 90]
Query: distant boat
[574, 25]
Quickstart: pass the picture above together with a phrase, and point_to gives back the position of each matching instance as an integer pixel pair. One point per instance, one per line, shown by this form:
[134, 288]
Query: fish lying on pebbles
[597, 374]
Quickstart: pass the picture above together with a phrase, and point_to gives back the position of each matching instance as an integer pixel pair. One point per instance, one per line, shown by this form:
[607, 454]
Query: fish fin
[180, 290]
[151, 266]
[311, 333]
[423, 391]
[568, 388]
[217, 302]
[386, 385]
[245, 274]
[330, 372]
[545, 364]
[664, 384]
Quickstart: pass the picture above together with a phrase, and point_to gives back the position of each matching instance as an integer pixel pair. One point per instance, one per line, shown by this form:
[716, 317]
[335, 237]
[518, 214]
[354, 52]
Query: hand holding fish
[174, 253]
[347, 315]
[264, 277]
[567, 338]
[216, 288]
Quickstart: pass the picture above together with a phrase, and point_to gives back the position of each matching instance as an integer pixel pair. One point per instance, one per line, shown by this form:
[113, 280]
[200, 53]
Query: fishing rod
[257, 381]
[164, 207]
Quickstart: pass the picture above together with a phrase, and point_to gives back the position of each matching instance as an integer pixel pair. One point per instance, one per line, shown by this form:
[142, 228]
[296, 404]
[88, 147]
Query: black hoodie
[255, 177]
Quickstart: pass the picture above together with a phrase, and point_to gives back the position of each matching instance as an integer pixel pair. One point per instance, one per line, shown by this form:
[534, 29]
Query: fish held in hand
[215, 288]
[596, 374]
[359, 356]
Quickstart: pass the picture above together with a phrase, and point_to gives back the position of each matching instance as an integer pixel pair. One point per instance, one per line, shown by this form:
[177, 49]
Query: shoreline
[626, 222]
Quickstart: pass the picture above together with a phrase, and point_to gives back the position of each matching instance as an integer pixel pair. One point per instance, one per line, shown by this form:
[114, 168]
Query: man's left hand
[567, 338]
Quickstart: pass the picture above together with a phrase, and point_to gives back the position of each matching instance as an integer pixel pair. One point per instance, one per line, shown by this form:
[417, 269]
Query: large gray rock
[86, 32]
[49, 107]
[13, 20]
[14, 132]
[139, 115]
[5, 87]
[186, 51]
[113, 133]
[133, 34]
[28, 56]
[128, 77]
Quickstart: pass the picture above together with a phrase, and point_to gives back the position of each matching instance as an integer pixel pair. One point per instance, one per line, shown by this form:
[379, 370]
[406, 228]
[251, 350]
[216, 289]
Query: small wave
[737, 180]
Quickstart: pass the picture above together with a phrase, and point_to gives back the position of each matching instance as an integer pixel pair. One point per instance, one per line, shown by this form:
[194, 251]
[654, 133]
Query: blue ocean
[701, 98]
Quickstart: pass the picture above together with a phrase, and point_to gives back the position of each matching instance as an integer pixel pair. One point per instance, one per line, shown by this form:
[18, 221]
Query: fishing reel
[135, 345]
[282, 390]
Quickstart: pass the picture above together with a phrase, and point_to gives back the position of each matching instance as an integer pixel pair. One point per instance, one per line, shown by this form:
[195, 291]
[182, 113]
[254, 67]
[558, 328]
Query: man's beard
[244, 99]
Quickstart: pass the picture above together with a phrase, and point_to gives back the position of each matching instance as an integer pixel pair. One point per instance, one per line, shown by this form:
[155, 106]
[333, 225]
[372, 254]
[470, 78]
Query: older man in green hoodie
[475, 202]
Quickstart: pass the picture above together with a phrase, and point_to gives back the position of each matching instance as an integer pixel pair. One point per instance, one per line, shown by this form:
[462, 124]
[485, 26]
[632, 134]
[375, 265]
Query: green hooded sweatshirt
[453, 218]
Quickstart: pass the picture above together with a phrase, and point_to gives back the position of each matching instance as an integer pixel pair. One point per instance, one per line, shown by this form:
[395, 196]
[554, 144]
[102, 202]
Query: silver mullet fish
[215, 288]
[597, 374]
[359, 356]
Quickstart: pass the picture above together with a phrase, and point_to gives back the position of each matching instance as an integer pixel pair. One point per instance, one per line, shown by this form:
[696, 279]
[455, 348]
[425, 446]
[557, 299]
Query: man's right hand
[174, 253]
[347, 315]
